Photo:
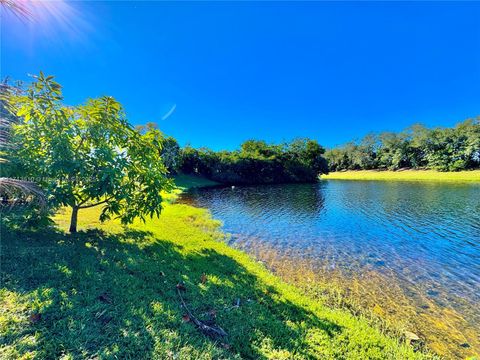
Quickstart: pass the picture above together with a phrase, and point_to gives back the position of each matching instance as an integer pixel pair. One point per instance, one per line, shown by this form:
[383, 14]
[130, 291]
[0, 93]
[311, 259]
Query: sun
[48, 17]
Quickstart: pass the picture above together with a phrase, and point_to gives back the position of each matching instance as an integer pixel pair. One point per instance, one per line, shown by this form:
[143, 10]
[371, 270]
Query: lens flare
[46, 18]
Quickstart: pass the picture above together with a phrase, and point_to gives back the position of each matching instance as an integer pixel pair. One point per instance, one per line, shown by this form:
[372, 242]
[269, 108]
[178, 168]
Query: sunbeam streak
[47, 19]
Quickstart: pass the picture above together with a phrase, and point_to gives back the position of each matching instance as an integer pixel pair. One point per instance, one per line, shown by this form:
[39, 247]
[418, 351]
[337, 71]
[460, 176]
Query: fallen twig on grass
[211, 331]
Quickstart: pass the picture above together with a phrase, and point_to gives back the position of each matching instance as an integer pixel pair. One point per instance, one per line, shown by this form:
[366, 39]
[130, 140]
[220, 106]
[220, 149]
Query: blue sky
[225, 72]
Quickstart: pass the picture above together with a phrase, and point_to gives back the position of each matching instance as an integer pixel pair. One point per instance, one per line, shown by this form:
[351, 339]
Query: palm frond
[17, 7]
[14, 191]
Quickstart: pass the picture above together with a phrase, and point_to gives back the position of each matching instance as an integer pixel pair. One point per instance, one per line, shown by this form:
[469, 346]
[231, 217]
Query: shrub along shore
[405, 175]
[114, 291]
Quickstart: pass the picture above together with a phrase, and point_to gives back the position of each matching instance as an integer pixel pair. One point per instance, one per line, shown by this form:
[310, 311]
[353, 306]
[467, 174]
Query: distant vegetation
[258, 162]
[303, 160]
[443, 149]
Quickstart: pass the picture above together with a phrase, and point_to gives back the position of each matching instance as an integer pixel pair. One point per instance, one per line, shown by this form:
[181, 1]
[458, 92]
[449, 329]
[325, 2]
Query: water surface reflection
[422, 238]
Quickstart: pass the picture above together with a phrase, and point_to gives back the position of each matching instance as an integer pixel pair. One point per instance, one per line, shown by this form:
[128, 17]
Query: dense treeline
[418, 147]
[257, 162]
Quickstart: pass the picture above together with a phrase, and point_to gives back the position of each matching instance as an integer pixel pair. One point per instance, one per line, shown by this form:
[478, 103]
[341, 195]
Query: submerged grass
[405, 175]
[395, 307]
[110, 292]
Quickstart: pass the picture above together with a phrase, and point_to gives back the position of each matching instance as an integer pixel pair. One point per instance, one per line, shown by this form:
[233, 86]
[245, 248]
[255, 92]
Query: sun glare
[48, 18]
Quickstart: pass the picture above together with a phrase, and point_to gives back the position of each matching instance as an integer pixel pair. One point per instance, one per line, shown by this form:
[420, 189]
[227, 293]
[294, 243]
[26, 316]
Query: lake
[409, 251]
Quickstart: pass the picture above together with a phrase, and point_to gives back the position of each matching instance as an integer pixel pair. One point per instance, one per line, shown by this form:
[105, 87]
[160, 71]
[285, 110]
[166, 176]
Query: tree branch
[211, 331]
[95, 204]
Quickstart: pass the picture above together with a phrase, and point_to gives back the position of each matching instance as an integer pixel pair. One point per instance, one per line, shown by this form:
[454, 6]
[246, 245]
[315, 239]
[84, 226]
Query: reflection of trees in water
[276, 200]
[425, 199]
[414, 205]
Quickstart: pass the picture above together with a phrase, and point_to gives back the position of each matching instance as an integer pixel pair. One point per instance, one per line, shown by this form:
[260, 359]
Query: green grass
[110, 292]
[184, 181]
[405, 175]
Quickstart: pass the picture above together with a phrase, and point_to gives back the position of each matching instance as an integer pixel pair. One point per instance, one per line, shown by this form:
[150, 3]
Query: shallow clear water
[425, 236]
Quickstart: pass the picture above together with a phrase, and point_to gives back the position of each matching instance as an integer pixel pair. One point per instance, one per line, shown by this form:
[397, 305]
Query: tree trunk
[73, 219]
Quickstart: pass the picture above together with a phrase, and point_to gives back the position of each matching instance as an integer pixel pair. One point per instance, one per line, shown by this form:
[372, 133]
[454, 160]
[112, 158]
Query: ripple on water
[419, 241]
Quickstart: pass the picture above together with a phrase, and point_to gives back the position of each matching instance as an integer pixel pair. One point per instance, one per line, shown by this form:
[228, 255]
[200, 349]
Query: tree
[189, 161]
[393, 154]
[171, 154]
[308, 154]
[471, 128]
[88, 155]
[259, 148]
[170, 151]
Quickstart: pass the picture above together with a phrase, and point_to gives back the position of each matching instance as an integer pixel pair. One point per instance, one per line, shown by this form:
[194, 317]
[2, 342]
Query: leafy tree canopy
[257, 162]
[87, 155]
[444, 149]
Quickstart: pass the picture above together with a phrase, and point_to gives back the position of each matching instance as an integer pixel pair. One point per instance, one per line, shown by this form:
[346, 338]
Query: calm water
[424, 236]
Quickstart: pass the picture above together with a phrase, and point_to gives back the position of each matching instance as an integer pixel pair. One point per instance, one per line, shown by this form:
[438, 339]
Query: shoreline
[123, 279]
[472, 176]
[393, 317]
[393, 305]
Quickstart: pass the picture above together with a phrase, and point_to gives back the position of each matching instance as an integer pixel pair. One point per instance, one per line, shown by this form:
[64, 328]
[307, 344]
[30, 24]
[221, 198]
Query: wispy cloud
[170, 112]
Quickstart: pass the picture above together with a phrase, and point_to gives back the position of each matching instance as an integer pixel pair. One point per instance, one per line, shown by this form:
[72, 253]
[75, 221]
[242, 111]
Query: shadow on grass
[114, 295]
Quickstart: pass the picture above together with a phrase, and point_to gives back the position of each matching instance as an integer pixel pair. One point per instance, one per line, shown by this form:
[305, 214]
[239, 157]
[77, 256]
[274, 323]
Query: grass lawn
[184, 181]
[110, 292]
[405, 175]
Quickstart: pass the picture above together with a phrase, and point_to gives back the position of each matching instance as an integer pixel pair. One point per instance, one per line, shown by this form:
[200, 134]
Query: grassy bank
[184, 181]
[110, 292]
[406, 175]
[383, 300]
